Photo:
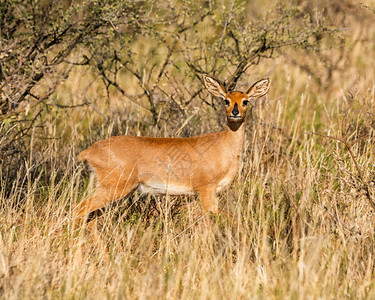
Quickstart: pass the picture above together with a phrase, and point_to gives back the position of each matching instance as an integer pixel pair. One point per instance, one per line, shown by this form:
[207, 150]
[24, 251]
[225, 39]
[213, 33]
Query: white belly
[161, 188]
[224, 183]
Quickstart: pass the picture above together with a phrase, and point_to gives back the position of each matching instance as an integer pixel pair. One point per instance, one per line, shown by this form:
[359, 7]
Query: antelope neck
[236, 132]
[235, 126]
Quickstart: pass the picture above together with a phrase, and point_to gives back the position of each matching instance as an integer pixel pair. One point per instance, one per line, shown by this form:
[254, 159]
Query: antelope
[202, 165]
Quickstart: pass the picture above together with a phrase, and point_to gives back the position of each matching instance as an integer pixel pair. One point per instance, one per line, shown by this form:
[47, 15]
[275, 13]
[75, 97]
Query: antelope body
[202, 165]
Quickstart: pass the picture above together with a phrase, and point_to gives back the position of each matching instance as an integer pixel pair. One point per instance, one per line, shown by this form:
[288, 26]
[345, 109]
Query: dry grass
[300, 226]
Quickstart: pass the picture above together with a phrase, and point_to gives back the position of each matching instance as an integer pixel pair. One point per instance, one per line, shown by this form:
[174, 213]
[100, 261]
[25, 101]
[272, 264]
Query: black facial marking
[235, 110]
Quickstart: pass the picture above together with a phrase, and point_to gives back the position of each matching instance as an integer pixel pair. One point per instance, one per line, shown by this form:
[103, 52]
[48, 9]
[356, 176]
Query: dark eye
[227, 102]
[245, 102]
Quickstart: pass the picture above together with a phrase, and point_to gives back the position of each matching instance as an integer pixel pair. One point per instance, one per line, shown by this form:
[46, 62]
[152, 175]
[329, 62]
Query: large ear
[214, 87]
[259, 88]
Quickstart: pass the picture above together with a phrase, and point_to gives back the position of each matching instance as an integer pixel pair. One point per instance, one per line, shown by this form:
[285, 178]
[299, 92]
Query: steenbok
[202, 165]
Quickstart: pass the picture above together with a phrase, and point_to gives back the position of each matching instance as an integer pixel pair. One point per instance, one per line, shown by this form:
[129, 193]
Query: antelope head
[236, 103]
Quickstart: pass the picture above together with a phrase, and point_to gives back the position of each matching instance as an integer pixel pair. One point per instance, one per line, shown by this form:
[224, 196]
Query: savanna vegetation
[301, 212]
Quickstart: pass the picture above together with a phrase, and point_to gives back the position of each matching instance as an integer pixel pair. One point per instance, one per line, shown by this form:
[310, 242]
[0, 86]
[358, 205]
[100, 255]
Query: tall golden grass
[300, 226]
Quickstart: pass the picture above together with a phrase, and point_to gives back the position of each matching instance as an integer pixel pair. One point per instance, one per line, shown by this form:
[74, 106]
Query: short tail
[82, 155]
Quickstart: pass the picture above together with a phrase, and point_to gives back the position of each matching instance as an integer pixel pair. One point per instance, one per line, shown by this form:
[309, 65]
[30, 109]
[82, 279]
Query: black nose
[235, 111]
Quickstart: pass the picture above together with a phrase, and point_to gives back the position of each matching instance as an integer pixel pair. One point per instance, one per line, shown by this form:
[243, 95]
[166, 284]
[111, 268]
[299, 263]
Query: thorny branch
[344, 140]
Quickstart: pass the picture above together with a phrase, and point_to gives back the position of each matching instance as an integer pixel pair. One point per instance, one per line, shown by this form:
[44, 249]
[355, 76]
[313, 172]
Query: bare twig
[348, 146]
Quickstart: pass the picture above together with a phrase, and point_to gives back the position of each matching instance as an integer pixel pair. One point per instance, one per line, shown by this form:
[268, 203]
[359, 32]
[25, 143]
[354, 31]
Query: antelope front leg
[209, 200]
